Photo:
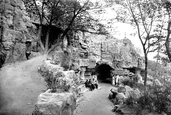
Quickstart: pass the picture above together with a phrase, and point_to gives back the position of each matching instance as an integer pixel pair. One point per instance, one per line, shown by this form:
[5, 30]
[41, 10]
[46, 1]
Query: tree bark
[39, 37]
[47, 40]
[168, 49]
[167, 43]
[146, 68]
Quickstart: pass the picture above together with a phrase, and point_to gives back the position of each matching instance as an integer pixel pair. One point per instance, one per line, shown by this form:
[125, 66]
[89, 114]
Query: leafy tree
[142, 14]
[167, 13]
[164, 16]
[69, 15]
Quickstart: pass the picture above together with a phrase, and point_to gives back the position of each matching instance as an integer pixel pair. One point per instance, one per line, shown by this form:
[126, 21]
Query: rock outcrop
[64, 88]
[56, 104]
[14, 28]
[125, 93]
[110, 49]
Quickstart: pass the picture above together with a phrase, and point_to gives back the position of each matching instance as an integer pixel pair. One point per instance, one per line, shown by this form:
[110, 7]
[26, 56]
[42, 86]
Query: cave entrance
[103, 72]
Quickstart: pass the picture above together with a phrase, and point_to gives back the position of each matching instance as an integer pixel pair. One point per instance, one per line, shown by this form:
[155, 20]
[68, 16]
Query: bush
[130, 101]
[157, 99]
[47, 75]
[128, 82]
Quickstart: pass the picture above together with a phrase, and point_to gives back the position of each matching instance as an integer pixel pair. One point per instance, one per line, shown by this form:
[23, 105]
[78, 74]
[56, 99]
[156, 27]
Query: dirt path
[96, 102]
[20, 85]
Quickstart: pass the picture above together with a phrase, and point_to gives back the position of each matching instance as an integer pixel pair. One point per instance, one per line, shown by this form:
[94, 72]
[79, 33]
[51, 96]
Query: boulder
[59, 80]
[121, 89]
[128, 88]
[134, 93]
[52, 67]
[67, 81]
[68, 77]
[56, 104]
[124, 93]
[120, 97]
[69, 74]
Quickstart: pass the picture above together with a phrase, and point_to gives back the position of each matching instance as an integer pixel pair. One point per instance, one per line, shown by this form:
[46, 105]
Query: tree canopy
[69, 15]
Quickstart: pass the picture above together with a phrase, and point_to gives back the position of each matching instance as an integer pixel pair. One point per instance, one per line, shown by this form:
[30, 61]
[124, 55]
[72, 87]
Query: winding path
[96, 102]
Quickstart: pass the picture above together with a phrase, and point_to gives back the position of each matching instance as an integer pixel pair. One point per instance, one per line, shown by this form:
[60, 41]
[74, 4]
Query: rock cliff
[112, 50]
[14, 28]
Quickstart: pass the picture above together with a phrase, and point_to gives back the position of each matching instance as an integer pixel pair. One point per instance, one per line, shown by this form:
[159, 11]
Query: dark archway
[103, 71]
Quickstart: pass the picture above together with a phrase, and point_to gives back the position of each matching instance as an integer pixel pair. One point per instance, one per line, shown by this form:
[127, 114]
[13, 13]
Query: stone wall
[15, 22]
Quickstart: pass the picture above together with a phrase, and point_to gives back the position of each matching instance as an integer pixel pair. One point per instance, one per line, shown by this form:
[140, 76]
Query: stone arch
[103, 70]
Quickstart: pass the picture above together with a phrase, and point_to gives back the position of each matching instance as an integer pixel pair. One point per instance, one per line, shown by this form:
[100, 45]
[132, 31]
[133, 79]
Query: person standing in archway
[117, 80]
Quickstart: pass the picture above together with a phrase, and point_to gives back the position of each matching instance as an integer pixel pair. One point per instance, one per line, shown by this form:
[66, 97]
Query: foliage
[142, 15]
[69, 15]
[47, 75]
[156, 69]
[128, 82]
[130, 101]
[156, 99]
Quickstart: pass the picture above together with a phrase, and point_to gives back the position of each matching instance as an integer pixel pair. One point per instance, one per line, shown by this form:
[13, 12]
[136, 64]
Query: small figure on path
[28, 48]
[88, 84]
[94, 81]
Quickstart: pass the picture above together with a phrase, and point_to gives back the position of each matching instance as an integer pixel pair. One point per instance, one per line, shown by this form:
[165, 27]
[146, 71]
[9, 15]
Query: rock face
[14, 28]
[56, 104]
[110, 49]
[124, 94]
[63, 90]
[57, 79]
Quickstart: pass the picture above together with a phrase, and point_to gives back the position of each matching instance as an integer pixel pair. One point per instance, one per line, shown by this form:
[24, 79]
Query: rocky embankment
[64, 89]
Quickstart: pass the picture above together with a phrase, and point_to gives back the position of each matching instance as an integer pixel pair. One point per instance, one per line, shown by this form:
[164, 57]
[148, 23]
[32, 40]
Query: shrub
[130, 101]
[157, 99]
[128, 82]
[47, 75]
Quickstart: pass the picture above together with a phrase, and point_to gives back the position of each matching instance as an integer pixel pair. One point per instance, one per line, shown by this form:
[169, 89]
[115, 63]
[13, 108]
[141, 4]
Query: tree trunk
[167, 43]
[146, 64]
[47, 41]
[39, 37]
[168, 48]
